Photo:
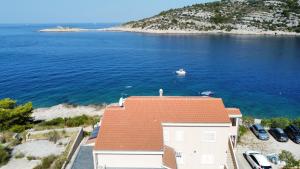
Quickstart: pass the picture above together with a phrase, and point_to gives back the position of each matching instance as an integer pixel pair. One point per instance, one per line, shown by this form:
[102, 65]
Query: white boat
[207, 93]
[181, 72]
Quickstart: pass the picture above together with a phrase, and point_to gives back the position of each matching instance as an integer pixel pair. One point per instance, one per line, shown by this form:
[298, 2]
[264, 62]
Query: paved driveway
[250, 142]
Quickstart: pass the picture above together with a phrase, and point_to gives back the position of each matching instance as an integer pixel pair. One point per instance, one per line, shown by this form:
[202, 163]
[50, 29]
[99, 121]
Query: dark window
[255, 127]
[262, 131]
[254, 159]
[233, 121]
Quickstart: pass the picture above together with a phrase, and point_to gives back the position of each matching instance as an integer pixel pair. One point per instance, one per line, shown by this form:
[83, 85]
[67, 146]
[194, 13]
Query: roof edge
[133, 152]
[221, 124]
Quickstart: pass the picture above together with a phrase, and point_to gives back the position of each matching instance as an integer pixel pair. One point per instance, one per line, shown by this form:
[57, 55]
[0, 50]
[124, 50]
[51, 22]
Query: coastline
[234, 32]
[67, 110]
[63, 30]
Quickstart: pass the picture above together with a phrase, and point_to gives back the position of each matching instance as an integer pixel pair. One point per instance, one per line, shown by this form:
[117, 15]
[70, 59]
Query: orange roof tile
[137, 125]
[233, 111]
[169, 158]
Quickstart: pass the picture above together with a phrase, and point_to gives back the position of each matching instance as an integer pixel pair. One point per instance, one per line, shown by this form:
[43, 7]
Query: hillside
[271, 16]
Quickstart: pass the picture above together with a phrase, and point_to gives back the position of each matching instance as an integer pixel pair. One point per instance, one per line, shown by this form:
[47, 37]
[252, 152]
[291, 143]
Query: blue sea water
[259, 74]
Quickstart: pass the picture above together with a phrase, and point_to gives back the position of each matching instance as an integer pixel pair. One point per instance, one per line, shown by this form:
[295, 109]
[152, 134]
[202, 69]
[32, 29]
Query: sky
[84, 11]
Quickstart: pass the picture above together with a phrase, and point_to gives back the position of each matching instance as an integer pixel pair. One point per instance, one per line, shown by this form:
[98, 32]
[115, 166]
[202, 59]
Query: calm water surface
[261, 75]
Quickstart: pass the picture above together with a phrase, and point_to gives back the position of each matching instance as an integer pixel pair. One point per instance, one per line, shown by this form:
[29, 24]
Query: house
[167, 132]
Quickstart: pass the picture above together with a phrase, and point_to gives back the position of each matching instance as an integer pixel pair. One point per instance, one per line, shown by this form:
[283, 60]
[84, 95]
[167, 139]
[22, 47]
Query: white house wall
[197, 147]
[128, 160]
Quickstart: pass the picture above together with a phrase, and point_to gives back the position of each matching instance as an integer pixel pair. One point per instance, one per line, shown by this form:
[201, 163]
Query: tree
[12, 114]
[289, 159]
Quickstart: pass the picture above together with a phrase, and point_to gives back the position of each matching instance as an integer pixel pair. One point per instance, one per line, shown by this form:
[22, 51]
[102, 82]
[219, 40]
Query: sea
[258, 74]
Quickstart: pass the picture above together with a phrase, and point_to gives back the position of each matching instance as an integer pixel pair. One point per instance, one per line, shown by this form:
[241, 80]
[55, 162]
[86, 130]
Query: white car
[257, 160]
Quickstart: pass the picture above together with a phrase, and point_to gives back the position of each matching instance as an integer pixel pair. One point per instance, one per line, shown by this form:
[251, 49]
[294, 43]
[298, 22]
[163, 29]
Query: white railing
[232, 153]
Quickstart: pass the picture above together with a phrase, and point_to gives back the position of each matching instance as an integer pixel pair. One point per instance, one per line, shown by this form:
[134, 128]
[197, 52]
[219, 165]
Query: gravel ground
[39, 148]
[22, 163]
[250, 142]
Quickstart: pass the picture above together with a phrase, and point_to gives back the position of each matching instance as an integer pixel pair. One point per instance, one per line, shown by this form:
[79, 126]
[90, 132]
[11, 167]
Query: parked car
[257, 160]
[279, 134]
[260, 132]
[294, 133]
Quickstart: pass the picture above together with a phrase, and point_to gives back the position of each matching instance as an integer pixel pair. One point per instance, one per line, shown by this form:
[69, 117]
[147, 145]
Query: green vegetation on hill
[276, 15]
[15, 117]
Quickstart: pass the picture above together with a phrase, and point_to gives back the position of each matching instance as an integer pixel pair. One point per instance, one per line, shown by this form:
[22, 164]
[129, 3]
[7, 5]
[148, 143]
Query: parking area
[250, 142]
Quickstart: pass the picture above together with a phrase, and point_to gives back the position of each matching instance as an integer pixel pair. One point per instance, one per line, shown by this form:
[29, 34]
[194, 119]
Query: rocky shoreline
[236, 32]
[66, 110]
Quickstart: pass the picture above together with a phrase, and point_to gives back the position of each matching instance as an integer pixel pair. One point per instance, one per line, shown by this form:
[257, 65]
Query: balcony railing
[231, 157]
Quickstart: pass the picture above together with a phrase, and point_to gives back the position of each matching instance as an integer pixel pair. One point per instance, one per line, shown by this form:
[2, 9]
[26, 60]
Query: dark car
[260, 132]
[294, 133]
[279, 134]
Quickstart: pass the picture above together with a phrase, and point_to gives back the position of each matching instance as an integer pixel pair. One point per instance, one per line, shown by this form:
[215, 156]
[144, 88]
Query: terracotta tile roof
[169, 158]
[137, 125]
[233, 111]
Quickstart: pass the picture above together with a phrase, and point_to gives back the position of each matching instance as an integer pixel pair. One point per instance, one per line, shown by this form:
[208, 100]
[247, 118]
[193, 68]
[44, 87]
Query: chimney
[121, 101]
[161, 92]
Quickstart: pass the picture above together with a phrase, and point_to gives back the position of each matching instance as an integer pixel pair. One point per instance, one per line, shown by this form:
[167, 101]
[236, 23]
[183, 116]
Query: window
[254, 159]
[166, 135]
[207, 159]
[179, 157]
[233, 121]
[179, 136]
[209, 136]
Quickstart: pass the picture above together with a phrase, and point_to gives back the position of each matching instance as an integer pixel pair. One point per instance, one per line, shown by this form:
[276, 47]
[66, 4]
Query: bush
[4, 156]
[46, 162]
[31, 158]
[248, 121]
[242, 130]
[53, 136]
[289, 159]
[72, 122]
[280, 122]
[59, 163]
[15, 142]
[54, 122]
[296, 122]
[266, 122]
[19, 155]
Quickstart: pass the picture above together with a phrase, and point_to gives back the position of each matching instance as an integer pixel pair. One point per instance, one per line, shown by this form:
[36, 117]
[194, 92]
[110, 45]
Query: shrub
[219, 18]
[19, 155]
[53, 136]
[31, 158]
[59, 163]
[54, 122]
[266, 122]
[247, 120]
[46, 162]
[296, 122]
[289, 159]
[72, 122]
[242, 130]
[280, 122]
[15, 142]
[4, 156]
